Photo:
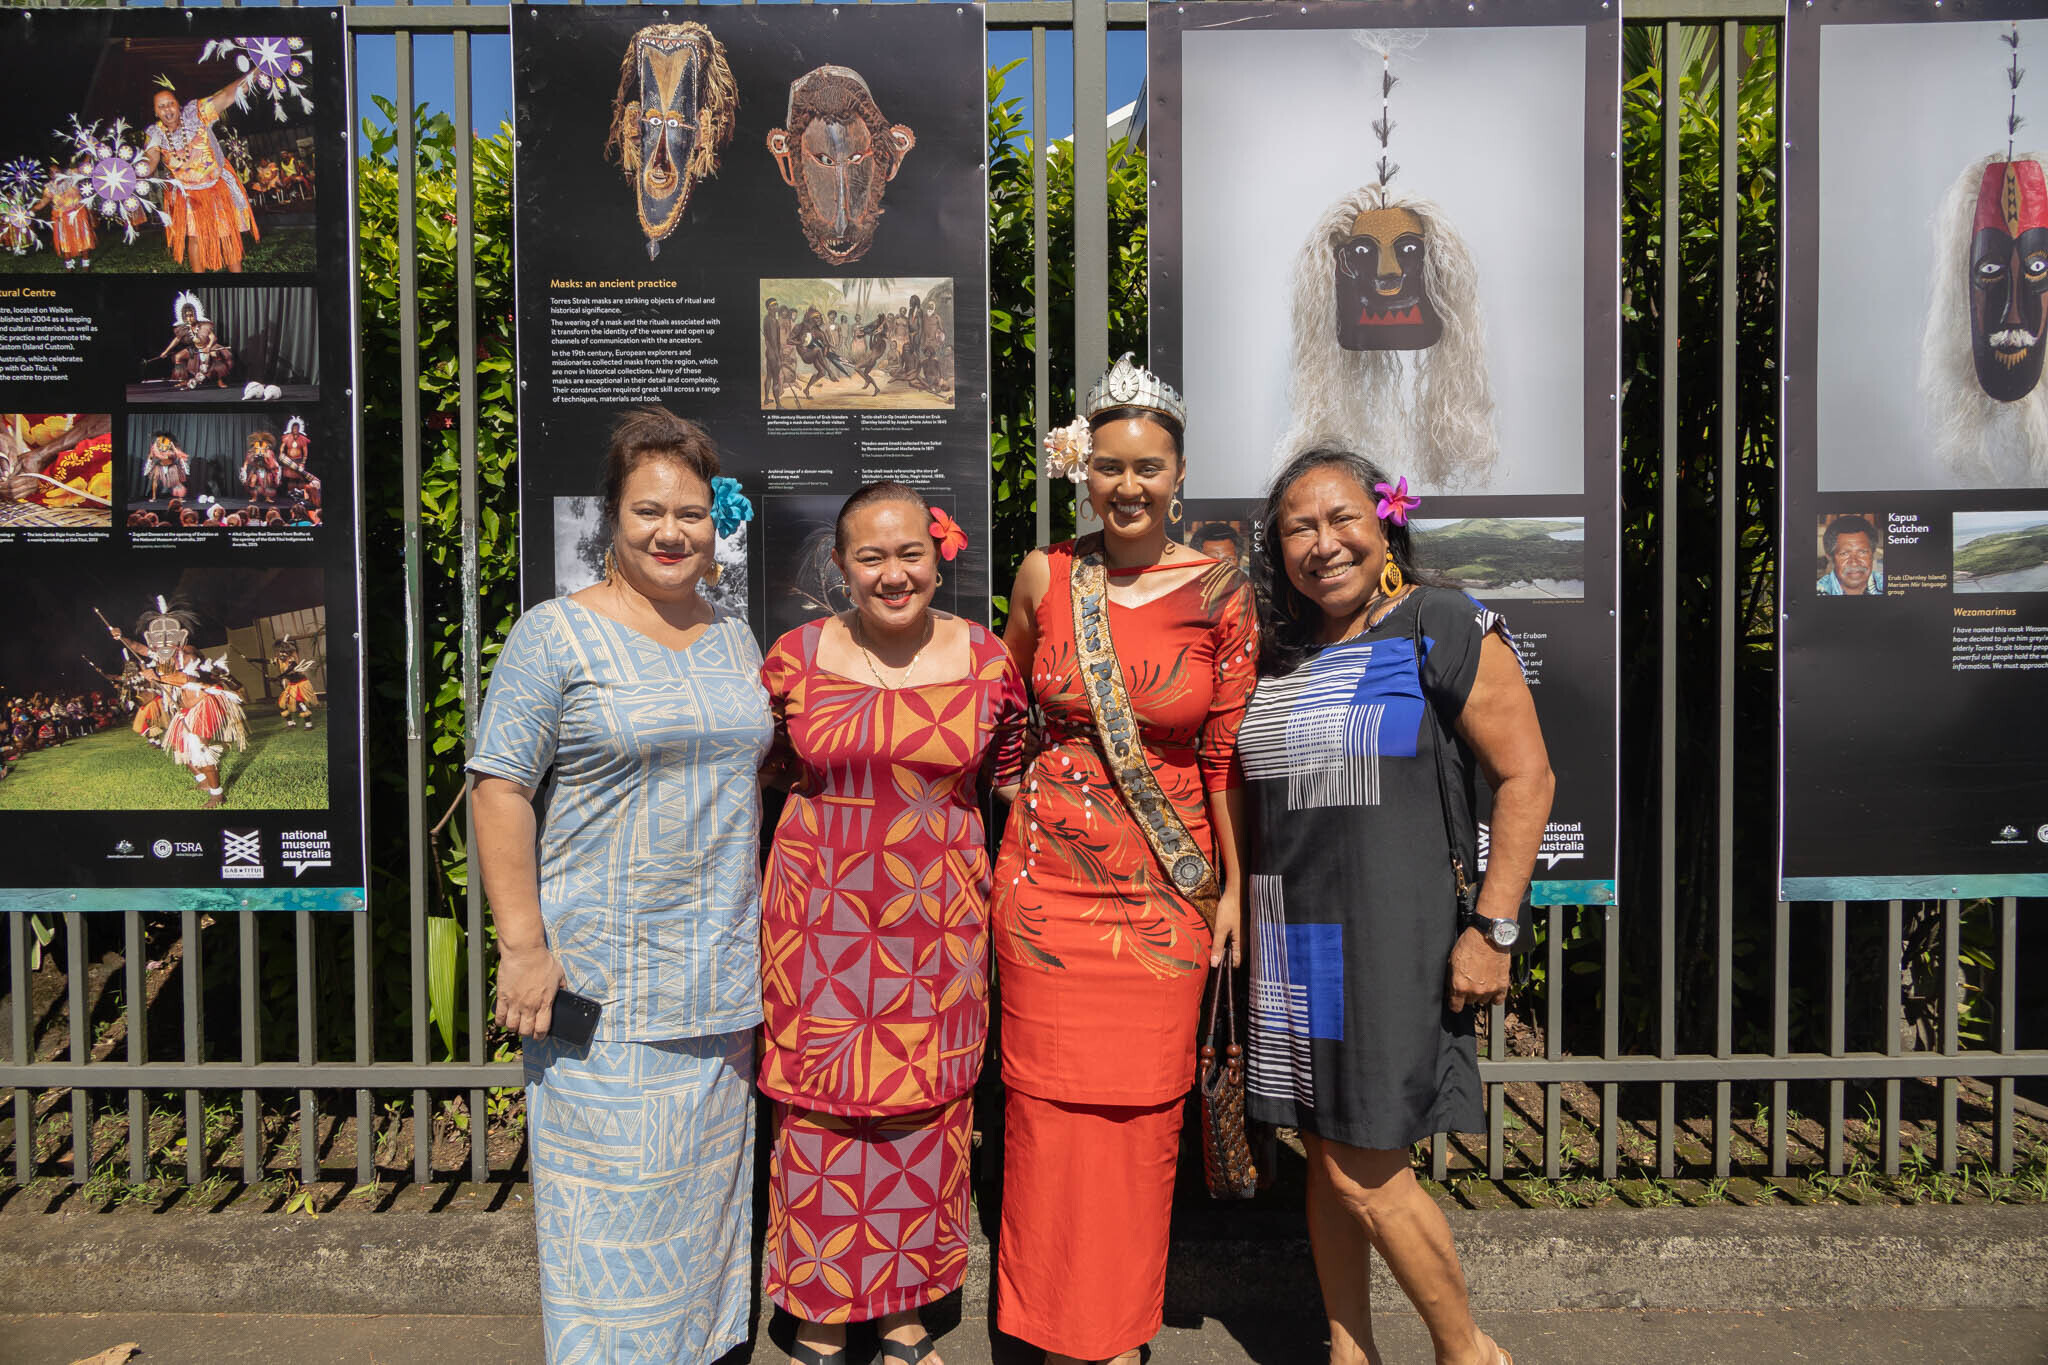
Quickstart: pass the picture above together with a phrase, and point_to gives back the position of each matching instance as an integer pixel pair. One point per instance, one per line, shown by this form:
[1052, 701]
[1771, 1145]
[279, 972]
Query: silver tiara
[1128, 385]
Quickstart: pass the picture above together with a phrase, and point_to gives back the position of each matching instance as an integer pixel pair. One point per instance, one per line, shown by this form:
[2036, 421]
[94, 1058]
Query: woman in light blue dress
[636, 711]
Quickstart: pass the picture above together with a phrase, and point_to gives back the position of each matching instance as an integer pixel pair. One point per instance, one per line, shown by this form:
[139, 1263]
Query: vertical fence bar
[1553, 1037]
[1610, 1035]
[1894, 1020]
[1728, 500]
[1951, 1024]
[309, 1109]
[252, 1047]
[1838, 992]
[1781, 1025]
[134, 989]
[1091, 190]
[191, 971]
[1667, 616]
[472, 623]
[23, 1050]
[1041, 288]
[1496, 1094]
[80, 1031]
[415, 656]
[2008, 1001]
[366, 1130]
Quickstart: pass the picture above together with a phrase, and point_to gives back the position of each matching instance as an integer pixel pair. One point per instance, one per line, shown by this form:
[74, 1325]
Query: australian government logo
[304, 849]
[241, 855]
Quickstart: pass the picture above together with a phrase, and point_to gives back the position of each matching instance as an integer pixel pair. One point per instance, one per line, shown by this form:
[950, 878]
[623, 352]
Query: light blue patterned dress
[642, 1143]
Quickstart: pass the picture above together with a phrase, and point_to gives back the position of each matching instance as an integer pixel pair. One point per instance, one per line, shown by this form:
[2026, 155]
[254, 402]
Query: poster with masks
[771, 222]
[1914, 544]
[1401, 242]
[180, 685]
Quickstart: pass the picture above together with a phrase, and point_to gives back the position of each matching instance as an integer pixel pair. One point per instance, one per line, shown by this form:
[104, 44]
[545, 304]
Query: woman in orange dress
[874, 933]
[71, 229]
[209, 209]
[1103, 959]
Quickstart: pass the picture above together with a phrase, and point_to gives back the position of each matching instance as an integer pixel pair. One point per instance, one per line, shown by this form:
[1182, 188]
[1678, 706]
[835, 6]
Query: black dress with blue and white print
[1352, 910]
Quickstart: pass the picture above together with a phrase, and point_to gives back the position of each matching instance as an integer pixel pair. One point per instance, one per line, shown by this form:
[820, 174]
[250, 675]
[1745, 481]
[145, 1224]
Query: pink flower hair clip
[1396, 502]
[1067, 451]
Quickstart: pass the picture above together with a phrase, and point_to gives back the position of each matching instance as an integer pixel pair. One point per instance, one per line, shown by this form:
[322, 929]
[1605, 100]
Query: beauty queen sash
[1102, 677]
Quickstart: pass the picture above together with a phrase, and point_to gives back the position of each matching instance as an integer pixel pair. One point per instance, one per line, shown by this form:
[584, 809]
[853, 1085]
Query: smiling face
[1331, 545]
[1132, 476]
[664, 541]
[166, 106]
[890, 564]
[1381, 302]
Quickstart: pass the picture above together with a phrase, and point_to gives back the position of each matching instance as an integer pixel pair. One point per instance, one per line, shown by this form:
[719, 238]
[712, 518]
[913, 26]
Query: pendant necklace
[860, 639]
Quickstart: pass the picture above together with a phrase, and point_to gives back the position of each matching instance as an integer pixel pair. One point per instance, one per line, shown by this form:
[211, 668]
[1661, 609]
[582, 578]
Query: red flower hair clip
[952, 540]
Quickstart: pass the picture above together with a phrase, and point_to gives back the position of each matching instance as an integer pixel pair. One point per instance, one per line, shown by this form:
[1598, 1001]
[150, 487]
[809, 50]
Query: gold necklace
[860, 639]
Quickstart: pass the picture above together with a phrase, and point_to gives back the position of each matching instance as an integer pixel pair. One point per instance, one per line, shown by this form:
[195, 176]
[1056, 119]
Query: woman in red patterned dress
[1103, 959]
[874, 934]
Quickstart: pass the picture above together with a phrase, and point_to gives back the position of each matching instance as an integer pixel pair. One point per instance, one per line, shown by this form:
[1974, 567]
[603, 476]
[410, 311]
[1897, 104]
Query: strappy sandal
[801, 1354]
[912, 1352]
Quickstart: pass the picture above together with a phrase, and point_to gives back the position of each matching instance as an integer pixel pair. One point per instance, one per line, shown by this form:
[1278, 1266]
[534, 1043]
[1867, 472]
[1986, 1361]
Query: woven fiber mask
[839, 154]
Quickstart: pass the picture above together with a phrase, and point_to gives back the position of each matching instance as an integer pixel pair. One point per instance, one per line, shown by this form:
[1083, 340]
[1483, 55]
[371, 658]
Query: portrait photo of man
[1852, 557]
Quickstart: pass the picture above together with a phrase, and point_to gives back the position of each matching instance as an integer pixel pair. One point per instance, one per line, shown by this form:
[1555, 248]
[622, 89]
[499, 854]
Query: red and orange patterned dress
[1103, 961]
[874, 974]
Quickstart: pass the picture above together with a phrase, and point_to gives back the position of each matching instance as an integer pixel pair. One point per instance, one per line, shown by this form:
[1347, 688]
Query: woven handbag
[1227, 1163]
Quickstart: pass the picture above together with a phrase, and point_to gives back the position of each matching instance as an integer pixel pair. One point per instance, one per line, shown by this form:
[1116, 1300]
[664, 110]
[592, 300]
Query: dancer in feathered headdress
[196, 352]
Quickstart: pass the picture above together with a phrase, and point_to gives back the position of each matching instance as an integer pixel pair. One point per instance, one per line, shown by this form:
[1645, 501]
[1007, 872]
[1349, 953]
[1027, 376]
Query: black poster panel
[1914, 544]
[1394, 228]
[821, 349]
[179, 664]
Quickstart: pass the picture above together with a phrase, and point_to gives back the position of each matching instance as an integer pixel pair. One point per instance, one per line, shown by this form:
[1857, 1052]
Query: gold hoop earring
[1390, 577]
[714, 573]
[1174, 509]
[938, 580]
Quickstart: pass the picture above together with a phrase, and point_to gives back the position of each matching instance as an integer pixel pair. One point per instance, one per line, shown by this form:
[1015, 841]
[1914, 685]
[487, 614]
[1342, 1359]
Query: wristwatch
[1503, 934]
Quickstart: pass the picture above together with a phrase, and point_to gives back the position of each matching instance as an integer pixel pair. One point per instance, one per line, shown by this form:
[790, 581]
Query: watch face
[1505, 932]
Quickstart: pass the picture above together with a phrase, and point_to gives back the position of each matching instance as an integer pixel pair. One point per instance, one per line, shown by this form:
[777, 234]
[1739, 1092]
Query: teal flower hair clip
[729, 507]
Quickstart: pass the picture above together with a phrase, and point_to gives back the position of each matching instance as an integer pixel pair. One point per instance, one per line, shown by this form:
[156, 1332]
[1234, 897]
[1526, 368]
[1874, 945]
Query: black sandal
[811, 1355]
[909, 1353]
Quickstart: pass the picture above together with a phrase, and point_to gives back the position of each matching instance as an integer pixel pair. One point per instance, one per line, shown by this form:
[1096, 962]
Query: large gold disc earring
[1174, 509]
[1390, 577]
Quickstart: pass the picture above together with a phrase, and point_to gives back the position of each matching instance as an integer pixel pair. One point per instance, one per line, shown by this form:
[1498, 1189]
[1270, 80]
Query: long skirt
[212, 221]
[867, 1216]
[643, 1170]
[1087, 1199]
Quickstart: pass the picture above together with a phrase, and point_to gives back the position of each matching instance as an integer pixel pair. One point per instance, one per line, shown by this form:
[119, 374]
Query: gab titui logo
[241, 854]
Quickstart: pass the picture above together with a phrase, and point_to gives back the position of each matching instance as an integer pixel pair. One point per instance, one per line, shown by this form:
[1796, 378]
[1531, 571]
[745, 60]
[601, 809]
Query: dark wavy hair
[1290, 626]
[650, 433]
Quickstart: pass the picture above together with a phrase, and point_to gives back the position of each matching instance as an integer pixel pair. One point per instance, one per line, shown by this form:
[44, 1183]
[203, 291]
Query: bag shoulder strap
[1109, 702]
[1443, 736]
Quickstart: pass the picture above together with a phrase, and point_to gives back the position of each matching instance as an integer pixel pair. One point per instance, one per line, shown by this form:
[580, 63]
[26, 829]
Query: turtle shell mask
[673, 113]
[839, 154]
[1382, 301]
[2009, 278]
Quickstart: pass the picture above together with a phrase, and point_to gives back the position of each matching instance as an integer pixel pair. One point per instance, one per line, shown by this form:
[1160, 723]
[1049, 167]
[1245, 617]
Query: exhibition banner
[178, 505]
[772, 221]
[1914, 544]
[1405, 242]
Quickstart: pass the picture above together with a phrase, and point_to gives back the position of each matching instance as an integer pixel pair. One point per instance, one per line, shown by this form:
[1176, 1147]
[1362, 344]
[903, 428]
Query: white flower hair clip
[1067, 451]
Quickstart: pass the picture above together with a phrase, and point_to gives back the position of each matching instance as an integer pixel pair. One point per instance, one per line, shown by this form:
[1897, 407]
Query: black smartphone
[575, 1019]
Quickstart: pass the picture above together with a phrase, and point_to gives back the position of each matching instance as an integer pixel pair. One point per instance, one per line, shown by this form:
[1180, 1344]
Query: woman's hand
[1478, 973]
[1227, 934]
[527, 981]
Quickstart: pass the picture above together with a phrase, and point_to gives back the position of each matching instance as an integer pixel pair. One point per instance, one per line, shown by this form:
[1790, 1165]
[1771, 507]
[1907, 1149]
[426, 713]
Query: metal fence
[1948, 1065]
